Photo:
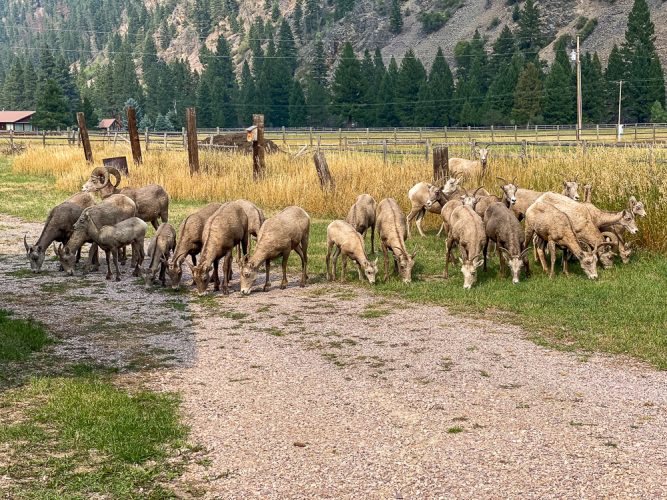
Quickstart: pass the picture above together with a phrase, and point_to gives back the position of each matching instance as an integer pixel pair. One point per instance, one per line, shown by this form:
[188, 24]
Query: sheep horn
[613, 239]
[475, 193]
[100, 176]
[25, 243]
[501, 179]
[514, 181]
[114, 171]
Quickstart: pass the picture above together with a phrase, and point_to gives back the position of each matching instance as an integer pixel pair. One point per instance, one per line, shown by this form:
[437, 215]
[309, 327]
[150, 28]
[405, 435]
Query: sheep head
[469, 269]
[201, 276]
[370, 270]
[509, 191]
[100, 179]
[67, 259]
[483, 156]
[406, 262]
[628, 222]
[35, 254]
[571, 189]
[248, 276]
[636, 207]
[175, 274]
[514, 262]
[588, 259]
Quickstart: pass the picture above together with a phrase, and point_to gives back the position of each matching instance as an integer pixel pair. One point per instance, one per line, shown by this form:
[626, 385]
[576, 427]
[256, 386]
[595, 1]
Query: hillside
[83, 28]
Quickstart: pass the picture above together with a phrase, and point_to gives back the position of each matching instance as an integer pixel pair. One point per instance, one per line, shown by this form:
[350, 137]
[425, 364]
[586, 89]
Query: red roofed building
[18, 121]
[110, 124]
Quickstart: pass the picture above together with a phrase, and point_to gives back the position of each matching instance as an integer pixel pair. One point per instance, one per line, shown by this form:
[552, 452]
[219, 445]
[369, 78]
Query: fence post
[134, 135]
[193, 147]
[115, 139]
[445, 133]
[284, 136]
[493, 138]
[654, 134]
[384, 150]
[147, 138]
[536, 138]
[558, 134]
[83, 136]
[217, 130]
[597, 132]
[428, 146]
[516, 138]
[368, 135]
[395, 137]
[184, 137]
[473, 144]
[524, 151]
[326, 181]
[165, 141]
[469, 134]
[440, 163]
[258, 163]
[11, 140]
[340, 139]
[44, 138]
[635, 132]
[420, 133]
[310, 135]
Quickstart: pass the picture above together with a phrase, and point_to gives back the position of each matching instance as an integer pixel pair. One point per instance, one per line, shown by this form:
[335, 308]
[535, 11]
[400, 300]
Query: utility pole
[620, 97]
[579, 121]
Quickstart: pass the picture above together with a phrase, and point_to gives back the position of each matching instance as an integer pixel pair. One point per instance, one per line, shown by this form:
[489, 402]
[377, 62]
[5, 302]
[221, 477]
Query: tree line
[492, 84]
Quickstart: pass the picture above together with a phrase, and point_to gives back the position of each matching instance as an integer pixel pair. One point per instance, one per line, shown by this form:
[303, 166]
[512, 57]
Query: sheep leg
[216, 275]
[386, 259]
[94, 257]
[267, 282]
[107, 254]
[373, 239]
[442, 227]
[227, 269]
[359, 271]
[449, 244]
[283, 283]
[114, 252]
[343, 274]
[566, 270]
[155, 224]
[304, 262]
[304, 258]
[552, 249]
[123, 255]
[163, 272]
[331, 272]
[328, 259]
[420, 219]
[486, 249]
[413, 213]
[525, 263]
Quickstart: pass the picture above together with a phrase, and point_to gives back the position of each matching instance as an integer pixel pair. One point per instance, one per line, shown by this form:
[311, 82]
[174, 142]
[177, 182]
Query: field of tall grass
[615, 174]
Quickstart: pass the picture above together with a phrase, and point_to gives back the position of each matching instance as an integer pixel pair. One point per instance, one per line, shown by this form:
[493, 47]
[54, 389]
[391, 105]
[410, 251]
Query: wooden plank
[440, 164]
[193, 147]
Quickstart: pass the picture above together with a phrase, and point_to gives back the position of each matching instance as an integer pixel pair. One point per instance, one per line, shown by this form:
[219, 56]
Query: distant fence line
[388, 142]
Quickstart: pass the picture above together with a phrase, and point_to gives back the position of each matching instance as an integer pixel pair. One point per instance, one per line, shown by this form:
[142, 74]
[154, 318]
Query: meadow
[622, 312]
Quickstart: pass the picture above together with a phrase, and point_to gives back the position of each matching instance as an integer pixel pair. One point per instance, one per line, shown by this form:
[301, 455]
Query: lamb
[393, 230]
[526, 197]
[553, 225]
[583, 226]
[504, 229]
[224, 230]
[159, 249]
[190, 241]
[428, 197]
[112, 238]
[467, 232]
[286, 231]
[58, 227]
[362, 216]
[112, 210]
[466, 199]
[350, 243]
[472, 170]
[152, 201]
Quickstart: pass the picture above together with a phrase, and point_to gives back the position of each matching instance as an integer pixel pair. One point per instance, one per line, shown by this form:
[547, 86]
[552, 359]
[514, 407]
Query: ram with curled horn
[425, 197]
[152, 201]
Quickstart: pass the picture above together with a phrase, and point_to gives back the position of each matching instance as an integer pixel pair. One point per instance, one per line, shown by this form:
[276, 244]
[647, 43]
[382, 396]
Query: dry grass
[615, 173]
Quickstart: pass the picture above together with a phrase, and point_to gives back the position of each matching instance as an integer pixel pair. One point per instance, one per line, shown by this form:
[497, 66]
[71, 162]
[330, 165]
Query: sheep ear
[523, 254]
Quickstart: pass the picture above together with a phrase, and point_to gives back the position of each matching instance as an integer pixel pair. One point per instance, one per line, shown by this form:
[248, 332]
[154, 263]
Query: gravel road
[333, 392]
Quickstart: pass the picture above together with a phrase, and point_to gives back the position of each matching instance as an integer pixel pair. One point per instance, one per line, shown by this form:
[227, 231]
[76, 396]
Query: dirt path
[331, 392]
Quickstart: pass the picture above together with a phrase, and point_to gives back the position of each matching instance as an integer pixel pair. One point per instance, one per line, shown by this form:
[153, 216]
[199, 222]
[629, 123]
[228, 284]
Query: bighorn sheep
[526, 197]
[553, 225]
[152, 201]
[224, 230]
[286, 231]
[111, 211]
[428, 197]
[584, 227]
[617, 223]
[112, 238]
[393, 230]
[472, 170]
[467, 232]
[362, 216]
[189, 241]
[350, 243]
[159, 249]
[466, 199]
[502, 227]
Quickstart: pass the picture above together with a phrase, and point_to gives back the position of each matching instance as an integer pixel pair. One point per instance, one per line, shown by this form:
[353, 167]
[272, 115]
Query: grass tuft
[19, 338]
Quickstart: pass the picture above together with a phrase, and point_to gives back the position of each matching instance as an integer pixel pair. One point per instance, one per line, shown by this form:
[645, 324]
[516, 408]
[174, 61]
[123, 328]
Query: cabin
[110, 125]
[18, 121]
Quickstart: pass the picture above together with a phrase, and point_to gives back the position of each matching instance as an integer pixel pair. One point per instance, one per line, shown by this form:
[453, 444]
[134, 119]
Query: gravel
[333, 392]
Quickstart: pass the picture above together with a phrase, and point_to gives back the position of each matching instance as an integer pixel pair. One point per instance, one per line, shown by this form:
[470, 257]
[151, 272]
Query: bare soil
[332, 392]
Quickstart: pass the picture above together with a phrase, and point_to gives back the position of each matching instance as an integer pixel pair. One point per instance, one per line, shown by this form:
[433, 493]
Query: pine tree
[138, 111]
[313, 16]
[319, 69]
[89, 112]
[297, 106]
[614, 73]
[13, 96]
[275, 12]
[217, 96]
[593, 89]
[559, 93]
[297, 15]
[530, 34]
[146, 123]
[343, 7]
[500, 96]
[246, 95]
[317, 102]
[441, 90]
[410, 79]
[472, 82]
[29, 86]
[125, 82]
[163, 124]
[287, 52]
[504, 49]
[395, 17]
[52, 110]
[369, 93]
[645, 79]
[347, 88]
[528, 96]
[387, 115]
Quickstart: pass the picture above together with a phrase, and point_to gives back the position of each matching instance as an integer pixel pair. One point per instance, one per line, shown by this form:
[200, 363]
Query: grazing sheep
[159, 249]
[526, 197]
[428, 197]
[110, 211]
[362, 216]
[286, 231]
[189, 241]
[617, 223]
[471, 170]
[152, 201]
[553, 226]
[467, 232]
[583, 225]
[393, 230]
[502, 227]
[466, 199]
[350, 243]
[111, 239]
[224, 230]
[485, 202]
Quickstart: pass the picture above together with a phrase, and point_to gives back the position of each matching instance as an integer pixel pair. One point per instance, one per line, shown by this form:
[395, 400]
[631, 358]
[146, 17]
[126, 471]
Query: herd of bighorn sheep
[472, 221]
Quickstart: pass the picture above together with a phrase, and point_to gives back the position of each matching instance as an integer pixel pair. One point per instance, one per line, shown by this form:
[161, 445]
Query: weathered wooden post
[440, 163]
[44, 139]
[384, 150]
[284, 136]
[83, 136]
[516, 139]
[147, 138]
[11, 140]
[493, 138]
[445, 133]
[193, 147]
[310, 134]
[165, 141]
[426, 150]
[326, 181]
[135, 145]
[256, 134]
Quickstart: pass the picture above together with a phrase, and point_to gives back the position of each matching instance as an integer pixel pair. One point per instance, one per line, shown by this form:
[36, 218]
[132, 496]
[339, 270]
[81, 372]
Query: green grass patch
[455, 430]
[19, 338]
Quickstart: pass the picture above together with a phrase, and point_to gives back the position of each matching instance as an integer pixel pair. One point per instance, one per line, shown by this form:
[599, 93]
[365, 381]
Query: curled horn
[114, 171]
[474, 195]
[414, 251]
[25, 243]
[100, 176]
[514, 181]
[503, 180]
